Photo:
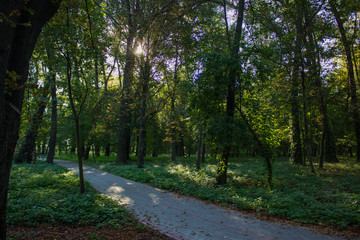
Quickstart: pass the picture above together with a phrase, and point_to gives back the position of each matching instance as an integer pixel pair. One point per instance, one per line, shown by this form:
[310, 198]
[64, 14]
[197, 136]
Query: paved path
[182, 217]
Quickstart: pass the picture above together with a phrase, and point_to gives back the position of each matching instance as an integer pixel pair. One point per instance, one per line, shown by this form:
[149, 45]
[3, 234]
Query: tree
[26, 152]
[145, 79]
[54, 119]
[346, 42]
[21, 38]
[230, 98]
[124, 127]
[200, 149]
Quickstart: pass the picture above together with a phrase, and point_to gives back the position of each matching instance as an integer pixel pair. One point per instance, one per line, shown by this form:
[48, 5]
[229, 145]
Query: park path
[182, 217]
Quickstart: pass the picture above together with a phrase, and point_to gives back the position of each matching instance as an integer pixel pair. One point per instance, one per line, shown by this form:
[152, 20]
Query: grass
[47, 194]
[330, 198]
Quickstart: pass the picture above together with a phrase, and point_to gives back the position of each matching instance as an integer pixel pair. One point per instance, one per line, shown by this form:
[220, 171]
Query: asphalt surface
[182, 217]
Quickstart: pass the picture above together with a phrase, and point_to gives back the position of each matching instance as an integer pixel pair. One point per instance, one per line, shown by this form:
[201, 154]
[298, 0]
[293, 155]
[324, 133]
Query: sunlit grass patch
[42, 193]
[329, 197]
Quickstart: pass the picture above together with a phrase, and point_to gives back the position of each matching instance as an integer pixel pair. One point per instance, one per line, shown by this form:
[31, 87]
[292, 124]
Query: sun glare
[139, 50]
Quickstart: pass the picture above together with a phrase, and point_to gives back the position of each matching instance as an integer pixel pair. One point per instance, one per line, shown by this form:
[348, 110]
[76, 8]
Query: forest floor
[70, 232]
[187, 218]
[45, 203]
[326, 201]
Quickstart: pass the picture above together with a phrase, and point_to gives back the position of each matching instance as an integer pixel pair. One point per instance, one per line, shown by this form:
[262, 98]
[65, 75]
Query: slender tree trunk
[221, 177]
[308, 25]
[296, 151]
[328, 147]
[53, 129]
[77, 126]
[347, 50]
[93, 46]
[93, 152]
[142, 129]
[203, 151]
[87, 151]
[174, 123]
[106, 103]
[180, 140]
[79, 154]
[264, 147]
[306, 126]
[321, 157]
[107, 150]
[199, 148]
[97, 150]
[173, 130]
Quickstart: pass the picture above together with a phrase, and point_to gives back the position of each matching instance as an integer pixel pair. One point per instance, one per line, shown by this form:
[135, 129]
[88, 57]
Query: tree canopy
[179, 77]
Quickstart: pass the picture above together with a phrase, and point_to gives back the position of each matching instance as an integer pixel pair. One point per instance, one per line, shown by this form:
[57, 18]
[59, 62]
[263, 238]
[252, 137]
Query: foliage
[188, 45]
[42, 193]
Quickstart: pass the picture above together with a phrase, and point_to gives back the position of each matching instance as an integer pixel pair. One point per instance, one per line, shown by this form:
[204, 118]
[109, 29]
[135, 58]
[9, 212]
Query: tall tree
[17, 41]
[53, 129]
[296, 149]
[145, 80]
[346, 43]
[124, 120]
[230, 98]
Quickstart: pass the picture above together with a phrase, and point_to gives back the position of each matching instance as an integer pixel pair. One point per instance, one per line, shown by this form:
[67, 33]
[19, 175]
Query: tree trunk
[306, 126]
[199, 148]
[296, 151]
[77, 125]
[203, 151]
[53, 129]
[26, 152]
[142, 129]
[97, 150]
[174, 123]
[351, 75]
[173, 130]
[107, 150]
[124, 120]
[93, 46]
[16, 46]
[87, 151]
[328, 147]
[264, 147]
[221, 177]
[180, 140]
[79, 154]
[322, 147]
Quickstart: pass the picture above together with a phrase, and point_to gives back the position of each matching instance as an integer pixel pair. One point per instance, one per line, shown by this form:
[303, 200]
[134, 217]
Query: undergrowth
[331, 197]
[44, 193]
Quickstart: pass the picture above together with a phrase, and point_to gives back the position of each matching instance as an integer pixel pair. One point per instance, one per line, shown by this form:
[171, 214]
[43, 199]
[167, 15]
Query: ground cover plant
[44, 202]
[331, 197]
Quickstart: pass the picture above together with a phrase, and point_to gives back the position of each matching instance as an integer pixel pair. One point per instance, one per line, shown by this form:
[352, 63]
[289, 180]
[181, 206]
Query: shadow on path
[183, 217]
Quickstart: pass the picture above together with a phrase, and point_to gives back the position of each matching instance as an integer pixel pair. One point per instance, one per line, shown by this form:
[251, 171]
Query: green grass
[47, 194]
[331, 197]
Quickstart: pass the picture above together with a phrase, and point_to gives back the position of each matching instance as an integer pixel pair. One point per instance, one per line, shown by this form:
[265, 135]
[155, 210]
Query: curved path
[183, 217]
